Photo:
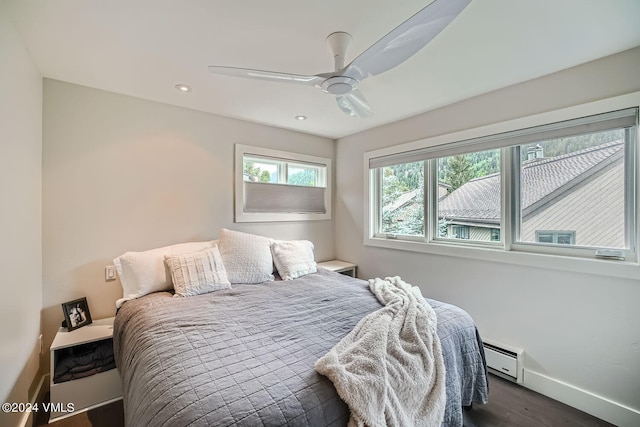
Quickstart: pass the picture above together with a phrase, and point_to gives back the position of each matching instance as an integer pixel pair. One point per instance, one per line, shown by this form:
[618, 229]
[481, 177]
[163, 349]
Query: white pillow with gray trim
[197, 273]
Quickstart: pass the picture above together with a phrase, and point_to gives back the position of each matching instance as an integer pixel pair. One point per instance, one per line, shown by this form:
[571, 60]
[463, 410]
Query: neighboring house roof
[543, 180]
[478, 199]
[408, 198]
[402, 200]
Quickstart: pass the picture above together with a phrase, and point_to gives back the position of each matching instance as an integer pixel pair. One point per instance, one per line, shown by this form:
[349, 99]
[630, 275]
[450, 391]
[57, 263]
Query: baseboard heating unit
[504, 361]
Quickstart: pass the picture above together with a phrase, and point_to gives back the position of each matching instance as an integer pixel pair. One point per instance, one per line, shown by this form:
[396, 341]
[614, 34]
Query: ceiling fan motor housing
[339, 85]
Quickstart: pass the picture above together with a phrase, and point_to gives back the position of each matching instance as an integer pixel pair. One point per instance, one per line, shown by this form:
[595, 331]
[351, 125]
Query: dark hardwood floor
[111, 415]
[510, 405]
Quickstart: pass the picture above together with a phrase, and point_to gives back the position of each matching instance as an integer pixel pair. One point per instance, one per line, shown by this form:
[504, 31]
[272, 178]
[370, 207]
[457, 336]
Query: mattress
[246, 356]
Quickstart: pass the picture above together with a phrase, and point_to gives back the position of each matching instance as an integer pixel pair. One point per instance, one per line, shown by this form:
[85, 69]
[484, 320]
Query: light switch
[110, 273]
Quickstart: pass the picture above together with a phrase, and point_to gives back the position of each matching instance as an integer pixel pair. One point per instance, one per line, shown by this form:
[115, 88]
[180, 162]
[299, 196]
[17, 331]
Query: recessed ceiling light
[301, 117]
[183, 88]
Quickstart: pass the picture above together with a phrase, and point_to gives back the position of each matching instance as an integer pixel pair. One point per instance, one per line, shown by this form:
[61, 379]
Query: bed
[245, 356]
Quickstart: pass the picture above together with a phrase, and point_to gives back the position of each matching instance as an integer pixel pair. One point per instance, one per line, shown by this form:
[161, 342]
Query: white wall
[125, 174]
[581, 333]
[20, 217]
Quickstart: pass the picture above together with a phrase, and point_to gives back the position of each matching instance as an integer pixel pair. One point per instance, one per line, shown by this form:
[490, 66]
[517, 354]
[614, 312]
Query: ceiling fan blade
[354, 104]
[267, 75]
[404, 41]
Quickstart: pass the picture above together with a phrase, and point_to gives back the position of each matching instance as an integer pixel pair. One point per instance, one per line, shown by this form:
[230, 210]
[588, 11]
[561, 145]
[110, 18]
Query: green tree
[255, 172]
[265, 176]
[398, 181]
[305, 177]
[460, 171]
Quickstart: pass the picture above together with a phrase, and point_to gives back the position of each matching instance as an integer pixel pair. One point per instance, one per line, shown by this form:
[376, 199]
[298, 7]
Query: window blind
[597, 123]
[261, 197]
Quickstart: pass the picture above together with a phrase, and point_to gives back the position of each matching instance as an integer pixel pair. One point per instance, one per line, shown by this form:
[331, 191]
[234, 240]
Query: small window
[460, 232]
[305, 175]
[257, 169]
[495, 234]
[556, 237]
[262, 169]
[281, 186]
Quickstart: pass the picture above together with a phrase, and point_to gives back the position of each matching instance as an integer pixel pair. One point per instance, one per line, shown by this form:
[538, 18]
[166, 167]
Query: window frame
[434, 202]
[284, 158]
[509, 250]
[378, 209]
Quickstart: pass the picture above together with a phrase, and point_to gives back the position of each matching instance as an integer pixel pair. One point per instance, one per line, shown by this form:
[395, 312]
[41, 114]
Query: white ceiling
[144, 48]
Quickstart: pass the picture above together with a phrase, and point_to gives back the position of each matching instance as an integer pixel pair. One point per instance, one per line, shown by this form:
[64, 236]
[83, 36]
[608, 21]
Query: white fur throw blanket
[389, 369]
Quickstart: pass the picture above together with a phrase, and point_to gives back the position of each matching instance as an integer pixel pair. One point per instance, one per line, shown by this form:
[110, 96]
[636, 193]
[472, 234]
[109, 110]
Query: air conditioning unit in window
[504, 361]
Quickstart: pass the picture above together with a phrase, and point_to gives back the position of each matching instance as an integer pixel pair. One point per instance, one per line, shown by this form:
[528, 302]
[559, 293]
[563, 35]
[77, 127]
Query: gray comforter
[246, 356]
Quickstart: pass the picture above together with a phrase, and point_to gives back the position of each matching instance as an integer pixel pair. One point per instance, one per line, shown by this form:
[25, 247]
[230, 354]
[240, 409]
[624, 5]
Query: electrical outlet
[109, 273]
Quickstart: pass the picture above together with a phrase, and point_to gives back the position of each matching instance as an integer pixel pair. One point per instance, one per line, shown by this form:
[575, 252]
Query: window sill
[282, 217]
[609, 268]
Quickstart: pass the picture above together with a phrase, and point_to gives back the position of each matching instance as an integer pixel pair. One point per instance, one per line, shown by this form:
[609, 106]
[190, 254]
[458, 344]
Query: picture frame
[76, 313]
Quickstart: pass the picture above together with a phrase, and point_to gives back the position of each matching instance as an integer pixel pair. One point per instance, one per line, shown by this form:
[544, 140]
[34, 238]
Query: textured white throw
[389, 369]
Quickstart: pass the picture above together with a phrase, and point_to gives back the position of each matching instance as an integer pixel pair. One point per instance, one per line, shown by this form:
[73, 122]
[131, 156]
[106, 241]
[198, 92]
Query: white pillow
[246, 257]
[142, 273]
[293, 258]
[197, 273]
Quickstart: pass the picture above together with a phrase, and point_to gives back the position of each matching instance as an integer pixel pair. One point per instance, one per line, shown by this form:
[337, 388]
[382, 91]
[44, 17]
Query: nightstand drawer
[85, 392]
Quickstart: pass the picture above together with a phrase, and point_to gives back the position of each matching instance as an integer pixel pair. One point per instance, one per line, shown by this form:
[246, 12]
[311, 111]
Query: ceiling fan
[388, 52]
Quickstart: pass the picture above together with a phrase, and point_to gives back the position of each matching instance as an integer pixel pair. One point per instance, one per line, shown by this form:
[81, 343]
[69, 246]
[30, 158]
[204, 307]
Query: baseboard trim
[27, 417]
[598, 406]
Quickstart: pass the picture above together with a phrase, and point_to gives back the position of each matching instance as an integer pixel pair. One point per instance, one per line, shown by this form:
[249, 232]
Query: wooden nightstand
[88, 392]
[343, 267]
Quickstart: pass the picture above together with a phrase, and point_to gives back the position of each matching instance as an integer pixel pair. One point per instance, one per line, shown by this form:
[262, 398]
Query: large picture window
[561, 188]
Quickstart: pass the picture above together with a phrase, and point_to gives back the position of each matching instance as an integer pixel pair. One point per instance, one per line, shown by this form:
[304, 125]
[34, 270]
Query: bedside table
[88, 392]
[343, 267]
